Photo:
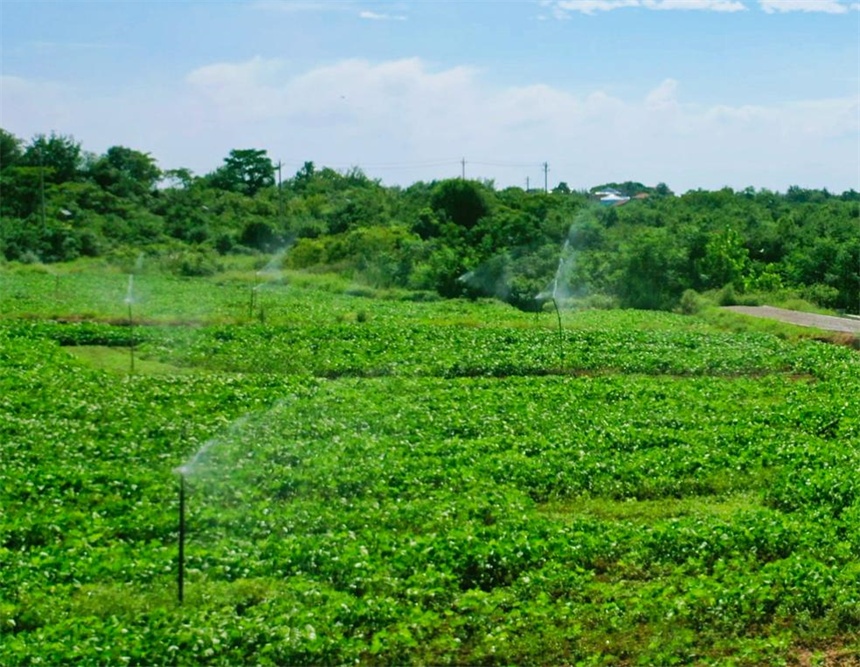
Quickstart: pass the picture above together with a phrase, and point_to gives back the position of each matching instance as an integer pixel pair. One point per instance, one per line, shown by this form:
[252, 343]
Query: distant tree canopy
[457, 237]
[61, 156]
[125, 172]
[462, 202]
[10, 149]
[245, 171]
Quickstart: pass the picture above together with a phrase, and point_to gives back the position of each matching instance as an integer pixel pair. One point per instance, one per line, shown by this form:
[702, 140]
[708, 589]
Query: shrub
[691, 302]
[727, 296]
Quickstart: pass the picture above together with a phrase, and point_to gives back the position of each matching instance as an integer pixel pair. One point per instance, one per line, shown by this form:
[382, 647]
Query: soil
[826, 322]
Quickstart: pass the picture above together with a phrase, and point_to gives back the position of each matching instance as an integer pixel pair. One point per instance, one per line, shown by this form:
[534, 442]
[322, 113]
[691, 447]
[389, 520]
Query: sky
[693, 93]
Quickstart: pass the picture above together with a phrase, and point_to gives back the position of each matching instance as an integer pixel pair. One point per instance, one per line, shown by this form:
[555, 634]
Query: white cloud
[663, 96]
[825, 6]
[404, 111]
[590, 7]
[700, 5]
[373, 16]
[294, 6]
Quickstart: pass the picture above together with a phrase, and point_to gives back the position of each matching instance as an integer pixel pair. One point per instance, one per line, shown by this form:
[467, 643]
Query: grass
[116, 360]
[648, 511]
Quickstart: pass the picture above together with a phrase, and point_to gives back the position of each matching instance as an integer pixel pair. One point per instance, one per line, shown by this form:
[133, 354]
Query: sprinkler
[253, 295]
[129, 299]
[560, 334]
[180, 572]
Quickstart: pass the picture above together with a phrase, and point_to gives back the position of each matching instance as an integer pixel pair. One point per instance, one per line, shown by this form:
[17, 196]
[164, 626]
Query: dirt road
[826, 322]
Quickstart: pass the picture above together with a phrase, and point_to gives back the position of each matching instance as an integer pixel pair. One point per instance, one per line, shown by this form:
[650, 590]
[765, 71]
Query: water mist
[553, 296]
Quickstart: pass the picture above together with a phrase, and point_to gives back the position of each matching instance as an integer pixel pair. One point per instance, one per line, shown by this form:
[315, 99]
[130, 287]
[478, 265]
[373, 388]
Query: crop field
[382, 478]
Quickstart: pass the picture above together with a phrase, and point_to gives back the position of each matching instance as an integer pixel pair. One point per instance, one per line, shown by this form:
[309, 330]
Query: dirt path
[826, 322]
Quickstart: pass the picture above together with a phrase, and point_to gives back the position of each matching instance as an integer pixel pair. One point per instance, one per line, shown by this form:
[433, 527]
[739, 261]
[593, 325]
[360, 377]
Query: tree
[10, 149]
[126, 172]
[60, 156]
[652, 270]
[561, 189]
[246, 171]
[463, 202]
[179, 178]
[726, 260]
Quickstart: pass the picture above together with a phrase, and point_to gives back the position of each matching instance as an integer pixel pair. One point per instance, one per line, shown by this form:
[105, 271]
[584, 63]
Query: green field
[391, 479]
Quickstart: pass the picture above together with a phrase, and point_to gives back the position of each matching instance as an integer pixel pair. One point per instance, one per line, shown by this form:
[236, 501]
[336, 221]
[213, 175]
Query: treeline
[455, 237]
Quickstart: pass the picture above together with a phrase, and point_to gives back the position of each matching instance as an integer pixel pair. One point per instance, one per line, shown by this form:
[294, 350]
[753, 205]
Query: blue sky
[696, 93]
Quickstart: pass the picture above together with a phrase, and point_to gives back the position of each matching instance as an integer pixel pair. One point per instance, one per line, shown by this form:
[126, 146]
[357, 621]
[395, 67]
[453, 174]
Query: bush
[822, 295]
[600, 302]
[727, 296]
[691, 302]
[192, 263]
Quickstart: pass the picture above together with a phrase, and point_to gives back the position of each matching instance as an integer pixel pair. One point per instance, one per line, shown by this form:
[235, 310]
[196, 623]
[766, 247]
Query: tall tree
[126, 172]
[246, 171]
[60, 155]
[10, 149]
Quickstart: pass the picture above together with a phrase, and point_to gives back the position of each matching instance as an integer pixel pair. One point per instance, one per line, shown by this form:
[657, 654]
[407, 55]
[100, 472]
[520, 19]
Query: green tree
[246, 171]
[652, 270]
[59, 155]
[462, 202]
[126, 172]
[726, 260]
[10, 149]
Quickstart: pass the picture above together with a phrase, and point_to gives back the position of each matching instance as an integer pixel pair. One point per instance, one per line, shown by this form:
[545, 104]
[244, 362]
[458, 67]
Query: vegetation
[454, 237]
[383, 466]
[390, 478]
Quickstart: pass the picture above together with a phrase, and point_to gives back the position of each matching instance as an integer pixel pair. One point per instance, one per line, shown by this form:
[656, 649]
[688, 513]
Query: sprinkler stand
[131, 338]
[181, 564]
[560, 335]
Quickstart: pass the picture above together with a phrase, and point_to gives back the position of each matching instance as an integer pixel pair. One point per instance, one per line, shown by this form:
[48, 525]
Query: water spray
[553, 296]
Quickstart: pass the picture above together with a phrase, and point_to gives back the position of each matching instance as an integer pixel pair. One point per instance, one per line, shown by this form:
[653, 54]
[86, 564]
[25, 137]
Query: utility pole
[463, 168]
[42, 181]
[527, 184]
[545, 177]
[280, 196]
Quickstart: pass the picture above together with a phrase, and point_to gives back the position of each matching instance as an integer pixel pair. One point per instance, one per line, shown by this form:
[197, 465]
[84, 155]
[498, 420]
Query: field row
[430, 519]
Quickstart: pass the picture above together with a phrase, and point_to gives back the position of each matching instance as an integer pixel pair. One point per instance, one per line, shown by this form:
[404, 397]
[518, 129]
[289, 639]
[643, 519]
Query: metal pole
[560, 338]
[181, 572]
[42, 182]
[131, 336]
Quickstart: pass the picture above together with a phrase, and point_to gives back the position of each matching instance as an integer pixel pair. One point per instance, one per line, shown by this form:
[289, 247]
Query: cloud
[693, 5]
[561, 7]
[825, 6]
[592, 6]
[663, 96]
[373, 16]
[295, 6]
[406, 112]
